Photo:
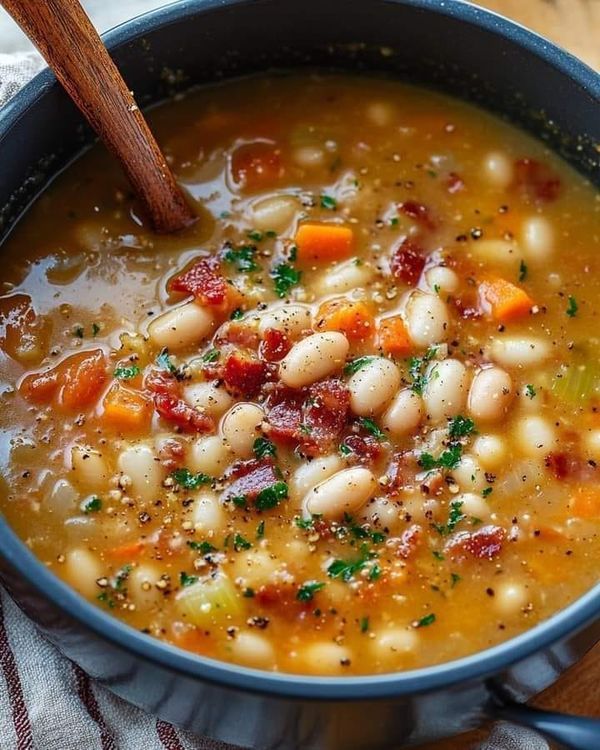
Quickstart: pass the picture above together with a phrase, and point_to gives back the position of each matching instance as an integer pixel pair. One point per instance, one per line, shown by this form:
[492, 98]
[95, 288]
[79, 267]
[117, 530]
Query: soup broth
[347, 423]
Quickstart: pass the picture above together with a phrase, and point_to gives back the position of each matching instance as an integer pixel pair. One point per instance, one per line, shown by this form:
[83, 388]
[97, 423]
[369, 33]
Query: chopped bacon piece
[274, 346]
[239, 333]
[468, 306]
[160, 381]
[244, 374]
[419, 212]
[262, 474]
[569, 464]
[325, 412]
[181, 414]
[537, 180]
[171, 454]
[401, 472]
[454, 183]
[408, 261]
[284, 414]
[483, 544]
[282, 597]
[365, 448]
[204, 281]
[409, 541]
[255, 166]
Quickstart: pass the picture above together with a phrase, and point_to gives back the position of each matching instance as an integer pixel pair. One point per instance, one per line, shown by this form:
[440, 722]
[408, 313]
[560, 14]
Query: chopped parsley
[248, 593]
[522, 271]
[417, 370]
[306, 524]
[126, 373]
[455, 516]
[91, 504]
[347, 569]
[240, 501]
[260, 530]
[487, 491]
[370, 426]
[121, 577]
[293, 253]
[164, 362]
[345, 449]
[424, 621]
[95, 329]
[186, 580]
[78, 331]
[307, 591]
[364, 624]
[285, 277]
[255, 235]
[242, 258]
[448, 459]
[189, 481]
[459, 427]
[240, 543]
[357, 364]
[263, 447]
[572, 307]
[455, 578]
[374, 573]
[106, 599]
[530, 391]
[438, 555]
[237, 314]
[204, 548]
[271, 496]
[212, 355]
[328, 202]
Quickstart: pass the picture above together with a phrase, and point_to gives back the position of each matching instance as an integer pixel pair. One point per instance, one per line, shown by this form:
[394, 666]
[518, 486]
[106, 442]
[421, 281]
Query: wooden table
[574, 25]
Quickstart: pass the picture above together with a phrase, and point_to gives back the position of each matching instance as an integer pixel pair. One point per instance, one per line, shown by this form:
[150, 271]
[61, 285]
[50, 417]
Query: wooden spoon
[64, 34]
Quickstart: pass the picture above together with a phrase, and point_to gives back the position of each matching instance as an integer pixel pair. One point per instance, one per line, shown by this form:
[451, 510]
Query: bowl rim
[477, 666]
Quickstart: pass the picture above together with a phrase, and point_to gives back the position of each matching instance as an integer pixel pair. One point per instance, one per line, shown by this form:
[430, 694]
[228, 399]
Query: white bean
[490, 450]
[491, 394]
[275, 213]
[210, 455]
[344, 492]
[442, 280]
[82, 568]
[344, 277]
[498, 169]
[535, 436]
[427, 319]
[309, 156]
[468, 474]
[404, 414]
[591, 441]
[89, 467]
[62, 498]
[313, 358]
[373, 386]
[141, 588]
[207, 397]
[510, 597]
[252, 649]
[519, 351]
[142, 466]
[394, 644]
[240, 427]
[207, 513]
[181, 326]
[254, 568]
[326, 657]
[498, 253]
[445, 392]
[472, 505]
[291, 319]
[537, 237]
[312, 473]
[381, 512]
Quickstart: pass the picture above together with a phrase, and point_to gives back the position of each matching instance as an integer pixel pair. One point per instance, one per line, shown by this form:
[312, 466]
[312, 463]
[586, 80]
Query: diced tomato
[160, 381]
[408, 262]
[206, 283]
[419, 212]
[244, 374]
[325, 411]
[181, 414]
[75, 382]
[262, 475]
[281, 598]
[284, 414]
[483, 544]
[274, 346]
[537, 180]
[257, 165]
[365, 448]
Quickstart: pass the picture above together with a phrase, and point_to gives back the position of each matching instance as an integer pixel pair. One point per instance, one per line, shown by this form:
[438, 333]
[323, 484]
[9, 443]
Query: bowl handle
[575, 732]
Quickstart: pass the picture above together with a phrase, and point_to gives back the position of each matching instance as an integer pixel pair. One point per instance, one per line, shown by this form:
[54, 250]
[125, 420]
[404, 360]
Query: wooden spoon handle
[66, 38]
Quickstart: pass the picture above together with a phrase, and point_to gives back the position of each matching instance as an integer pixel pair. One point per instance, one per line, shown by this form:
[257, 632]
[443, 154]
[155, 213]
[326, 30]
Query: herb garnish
[487, 491]
[263, 447]
[237, 314]
[364, 624]
[522, 271]
[260, 530]
[572, 307]
[204, 548]
[530, 391]
[357, 364]
[242, 257]
[186, 580]
[164, 362]
[346, 569]
[307, 591]
[370, 426]
[459, 427]
[270, 496]
[417, 367]
[189, 481]
[91, 504]
[328, 202]
[240, 543]
[285, 277]
[455, 579]
[212, 355]
[448, 459]
[424, 621]
[455, 516]
[126, 373]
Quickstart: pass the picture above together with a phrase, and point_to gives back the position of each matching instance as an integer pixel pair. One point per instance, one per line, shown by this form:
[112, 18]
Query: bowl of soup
[339, 440]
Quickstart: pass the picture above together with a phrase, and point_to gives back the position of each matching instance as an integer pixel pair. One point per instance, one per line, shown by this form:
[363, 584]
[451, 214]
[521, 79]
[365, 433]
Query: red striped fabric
[87, 697]
[20, 717]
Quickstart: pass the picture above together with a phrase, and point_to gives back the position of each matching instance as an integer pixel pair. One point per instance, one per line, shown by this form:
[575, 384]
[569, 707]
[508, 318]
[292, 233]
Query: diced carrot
[393, 338]
[127, 410]
[504, 300]
[74, 383]
[352, 318]
[585, 502]
[24, 335]
[82, 377]
[323, 242]
[126, 551]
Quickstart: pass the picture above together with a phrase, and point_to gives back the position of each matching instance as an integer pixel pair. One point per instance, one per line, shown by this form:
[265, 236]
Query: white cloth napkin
[46, 702]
